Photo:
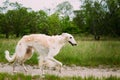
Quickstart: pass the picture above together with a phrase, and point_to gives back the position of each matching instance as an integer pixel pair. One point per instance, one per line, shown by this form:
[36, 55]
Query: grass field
[91, 53]
[86, 53]
[5, 76]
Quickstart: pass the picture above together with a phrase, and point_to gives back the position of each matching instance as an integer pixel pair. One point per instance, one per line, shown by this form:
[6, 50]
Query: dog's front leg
[41, 64]
[56, 61]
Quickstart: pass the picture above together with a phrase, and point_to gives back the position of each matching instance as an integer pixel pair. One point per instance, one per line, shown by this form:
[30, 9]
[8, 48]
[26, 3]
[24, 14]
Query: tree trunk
[7, 35]
[17, 35]
[97, 37]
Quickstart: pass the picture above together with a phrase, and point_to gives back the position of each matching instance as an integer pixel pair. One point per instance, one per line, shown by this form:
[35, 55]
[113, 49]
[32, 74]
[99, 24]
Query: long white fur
[10, 59]
[46, 46]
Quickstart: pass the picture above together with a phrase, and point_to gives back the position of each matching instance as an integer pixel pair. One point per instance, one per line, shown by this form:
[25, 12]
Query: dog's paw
[14, 71]
[60, 64]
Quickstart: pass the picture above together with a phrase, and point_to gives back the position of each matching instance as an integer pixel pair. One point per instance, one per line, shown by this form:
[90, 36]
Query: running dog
[46, 46]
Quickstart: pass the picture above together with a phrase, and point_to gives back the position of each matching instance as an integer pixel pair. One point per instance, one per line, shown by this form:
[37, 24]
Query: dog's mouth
[73, 44]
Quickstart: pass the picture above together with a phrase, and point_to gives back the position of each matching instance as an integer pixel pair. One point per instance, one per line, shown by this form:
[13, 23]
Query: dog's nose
[75, 44]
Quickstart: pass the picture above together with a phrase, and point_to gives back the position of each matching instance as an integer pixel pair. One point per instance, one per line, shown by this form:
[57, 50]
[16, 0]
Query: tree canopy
[96, 17]
[99, 17]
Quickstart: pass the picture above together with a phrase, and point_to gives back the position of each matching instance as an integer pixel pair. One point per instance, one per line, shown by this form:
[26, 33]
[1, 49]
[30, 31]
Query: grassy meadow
[91, 53]
[86, 53]
[6, 76]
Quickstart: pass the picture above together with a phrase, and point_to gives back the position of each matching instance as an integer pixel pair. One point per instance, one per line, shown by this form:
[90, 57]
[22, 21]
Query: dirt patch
[66, 71]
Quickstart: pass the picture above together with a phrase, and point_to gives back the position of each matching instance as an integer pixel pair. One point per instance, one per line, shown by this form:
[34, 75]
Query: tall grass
[86, 53]
[91, 53]
[7, 44]
[6, 76]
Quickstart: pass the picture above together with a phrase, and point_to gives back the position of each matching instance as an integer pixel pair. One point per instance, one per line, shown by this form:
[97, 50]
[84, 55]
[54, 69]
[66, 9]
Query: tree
[64, 9]
[32, 22]
[5, 26]
[14, 20]
[19, 20]
[43, 22]
[113, 17]
[54, 24]
[79, 20]
[99, 17]
[4, 22]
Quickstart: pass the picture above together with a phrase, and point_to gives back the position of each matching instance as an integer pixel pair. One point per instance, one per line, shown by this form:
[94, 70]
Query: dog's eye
[70, 37]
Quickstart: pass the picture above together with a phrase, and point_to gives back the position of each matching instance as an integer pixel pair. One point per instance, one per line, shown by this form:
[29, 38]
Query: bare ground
[66, 71]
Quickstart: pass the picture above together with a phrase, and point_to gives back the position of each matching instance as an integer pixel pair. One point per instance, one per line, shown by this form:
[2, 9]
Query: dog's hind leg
[14, 64]
[24, 67]
[28, 55]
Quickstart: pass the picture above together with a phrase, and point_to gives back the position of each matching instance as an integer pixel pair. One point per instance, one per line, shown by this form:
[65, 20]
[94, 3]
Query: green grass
[6, 76]
[86, 53]
[91, 53]
[7, 44]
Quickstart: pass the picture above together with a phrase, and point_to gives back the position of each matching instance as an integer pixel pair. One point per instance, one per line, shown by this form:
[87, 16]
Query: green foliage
[96, 17]
[99, 17]
[43, 22]
[54, 24]
[21, 21]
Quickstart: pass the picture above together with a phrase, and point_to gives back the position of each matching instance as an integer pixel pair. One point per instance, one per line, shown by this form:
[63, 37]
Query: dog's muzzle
[73, 44]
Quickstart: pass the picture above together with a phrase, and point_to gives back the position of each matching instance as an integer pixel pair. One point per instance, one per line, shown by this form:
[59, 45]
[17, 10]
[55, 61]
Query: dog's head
[69, 38]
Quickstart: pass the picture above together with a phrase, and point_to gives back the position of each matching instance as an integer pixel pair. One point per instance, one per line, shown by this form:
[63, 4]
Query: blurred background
[96, 18]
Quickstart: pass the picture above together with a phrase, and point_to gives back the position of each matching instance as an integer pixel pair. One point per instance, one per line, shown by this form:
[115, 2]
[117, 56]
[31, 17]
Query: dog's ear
[64, 34]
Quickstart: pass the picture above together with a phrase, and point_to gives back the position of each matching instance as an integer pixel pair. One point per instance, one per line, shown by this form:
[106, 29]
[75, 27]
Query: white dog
[46, 46]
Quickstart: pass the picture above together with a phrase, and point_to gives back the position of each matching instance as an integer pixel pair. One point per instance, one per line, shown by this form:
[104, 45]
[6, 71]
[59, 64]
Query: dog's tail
[7, 56]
